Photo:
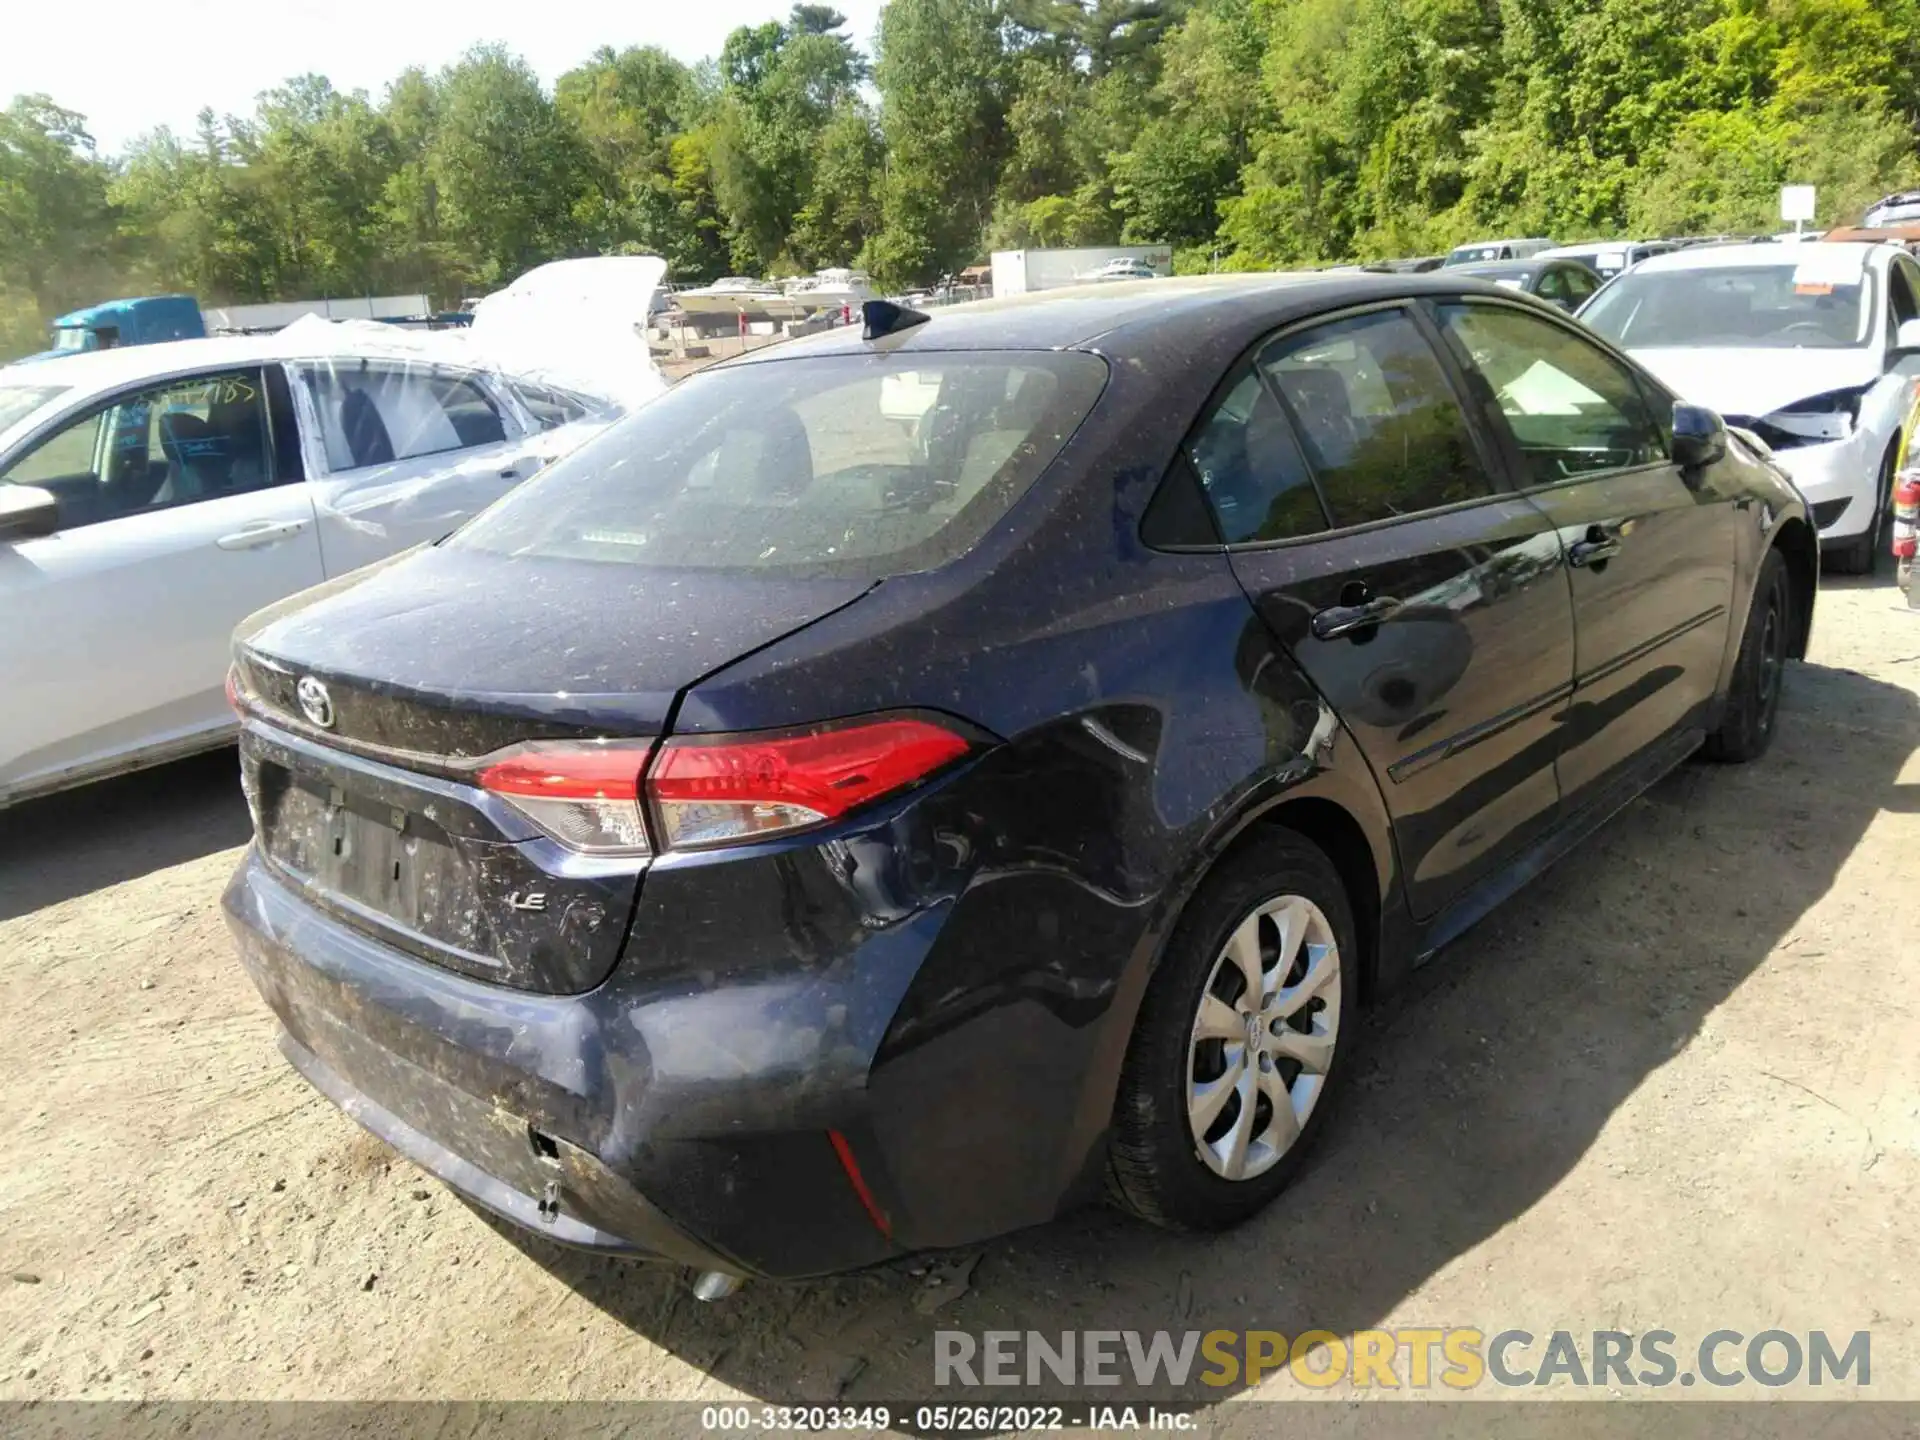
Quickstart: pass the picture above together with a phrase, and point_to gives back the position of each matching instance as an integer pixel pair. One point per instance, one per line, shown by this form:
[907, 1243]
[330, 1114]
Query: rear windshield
[857, 465]
[1761, 306]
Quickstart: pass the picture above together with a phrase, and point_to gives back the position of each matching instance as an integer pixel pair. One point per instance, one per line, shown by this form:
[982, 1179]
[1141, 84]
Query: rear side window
[373, 414]
[1254, 475]
[1572, 408]
[551, 408]
[1382, 430]
[851, 465]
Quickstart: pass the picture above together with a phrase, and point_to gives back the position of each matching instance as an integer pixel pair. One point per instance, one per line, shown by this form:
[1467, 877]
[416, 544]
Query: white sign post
[1796, 204]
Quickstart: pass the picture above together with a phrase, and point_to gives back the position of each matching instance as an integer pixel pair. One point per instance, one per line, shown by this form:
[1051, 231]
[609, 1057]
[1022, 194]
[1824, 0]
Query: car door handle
[261, 532]
[1599, 547]
[1338, 620]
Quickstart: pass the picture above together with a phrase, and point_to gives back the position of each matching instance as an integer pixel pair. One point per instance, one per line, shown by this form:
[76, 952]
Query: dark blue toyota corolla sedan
[911, 780]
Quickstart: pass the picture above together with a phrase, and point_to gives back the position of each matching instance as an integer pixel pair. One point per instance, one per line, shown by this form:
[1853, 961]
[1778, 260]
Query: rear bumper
[556, 1112]
[934, 997]
[531, 1200]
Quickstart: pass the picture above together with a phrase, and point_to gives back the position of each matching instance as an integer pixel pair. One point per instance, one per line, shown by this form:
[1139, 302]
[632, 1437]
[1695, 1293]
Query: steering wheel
[1813, 325]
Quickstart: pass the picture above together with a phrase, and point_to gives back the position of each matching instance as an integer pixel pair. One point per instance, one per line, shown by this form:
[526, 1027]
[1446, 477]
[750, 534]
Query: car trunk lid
[368, 722]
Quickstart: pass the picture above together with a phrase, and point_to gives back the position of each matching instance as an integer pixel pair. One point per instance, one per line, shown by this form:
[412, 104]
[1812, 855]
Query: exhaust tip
[712, 1285]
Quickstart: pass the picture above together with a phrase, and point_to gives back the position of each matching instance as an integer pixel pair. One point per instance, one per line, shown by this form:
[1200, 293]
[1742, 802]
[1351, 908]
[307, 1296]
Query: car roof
[1122, 313]
[1576, 248]
[129, 364]
[1728, 257]
[96, 370]
[1505, 269]
[83, 375]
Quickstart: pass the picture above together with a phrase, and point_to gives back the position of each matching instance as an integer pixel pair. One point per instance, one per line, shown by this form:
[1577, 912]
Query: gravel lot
[1676, 1084]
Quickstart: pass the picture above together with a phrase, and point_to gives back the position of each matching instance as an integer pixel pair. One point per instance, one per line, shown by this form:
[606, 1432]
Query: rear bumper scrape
[562, 1113]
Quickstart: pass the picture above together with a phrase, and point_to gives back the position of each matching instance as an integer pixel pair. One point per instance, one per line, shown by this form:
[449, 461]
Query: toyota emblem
[315, 703]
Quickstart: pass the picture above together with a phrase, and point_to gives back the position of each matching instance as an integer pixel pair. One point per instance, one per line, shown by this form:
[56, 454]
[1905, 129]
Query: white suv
[1813, 347]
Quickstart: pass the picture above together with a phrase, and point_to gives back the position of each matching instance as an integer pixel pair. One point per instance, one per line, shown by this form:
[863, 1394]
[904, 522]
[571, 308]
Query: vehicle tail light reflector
[737, 788]
[233, 691]
[861, 1192]
[584, 794]
[1904, 546]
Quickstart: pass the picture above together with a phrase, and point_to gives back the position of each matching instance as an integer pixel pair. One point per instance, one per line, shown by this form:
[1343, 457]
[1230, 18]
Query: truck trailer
[1018, 272]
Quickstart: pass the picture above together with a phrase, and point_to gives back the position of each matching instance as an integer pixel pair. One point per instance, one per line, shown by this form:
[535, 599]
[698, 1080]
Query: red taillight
[233, 691]
[584, 794]
[1904, 547]
[713, 792]
[588, 794]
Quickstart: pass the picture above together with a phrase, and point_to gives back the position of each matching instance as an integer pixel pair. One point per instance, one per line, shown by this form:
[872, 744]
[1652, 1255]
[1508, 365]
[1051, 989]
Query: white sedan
[152, 497]
[1813, 347]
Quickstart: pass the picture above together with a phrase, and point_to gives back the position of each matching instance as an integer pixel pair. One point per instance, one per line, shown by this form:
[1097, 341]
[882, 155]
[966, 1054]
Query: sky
[129, 67]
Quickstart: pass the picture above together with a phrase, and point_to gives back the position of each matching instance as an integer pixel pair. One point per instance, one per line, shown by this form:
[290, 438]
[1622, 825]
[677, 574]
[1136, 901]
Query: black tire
[1859, 555]
[1155, 1162]
[1753, 695]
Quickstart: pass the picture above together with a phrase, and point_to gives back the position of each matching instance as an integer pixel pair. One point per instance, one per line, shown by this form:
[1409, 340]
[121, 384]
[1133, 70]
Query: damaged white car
[1814, 348]
[151, 497]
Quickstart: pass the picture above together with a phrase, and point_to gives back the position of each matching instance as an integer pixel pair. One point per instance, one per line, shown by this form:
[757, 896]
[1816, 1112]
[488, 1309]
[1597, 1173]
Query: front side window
[1900, 294]
[188, 440]
[375, 414]
[1573, 410]
[1383, 432]
[859, 466]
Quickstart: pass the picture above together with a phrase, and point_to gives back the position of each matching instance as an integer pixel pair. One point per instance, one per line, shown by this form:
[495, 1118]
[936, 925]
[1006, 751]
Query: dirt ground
[1676, 1084]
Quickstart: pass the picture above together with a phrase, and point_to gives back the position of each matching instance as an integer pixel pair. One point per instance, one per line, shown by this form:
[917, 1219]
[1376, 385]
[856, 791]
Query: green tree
[843, 207]
[1169, 181]
[505, 166]
[1275, 132]
[199, 219]
[56, 226]
[318, 163]
[944, 81]
[628, 107]
[784, 86]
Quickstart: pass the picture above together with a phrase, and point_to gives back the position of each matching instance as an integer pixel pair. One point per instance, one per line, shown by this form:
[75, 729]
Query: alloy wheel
[1263, 1037]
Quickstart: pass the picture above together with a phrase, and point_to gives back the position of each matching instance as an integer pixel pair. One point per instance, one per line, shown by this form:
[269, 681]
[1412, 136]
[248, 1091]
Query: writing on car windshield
[857, 466]
[1777, 306]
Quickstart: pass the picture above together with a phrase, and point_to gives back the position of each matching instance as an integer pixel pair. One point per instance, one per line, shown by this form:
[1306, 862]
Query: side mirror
[26, 511]
[1699, 436]
[1906, 340]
